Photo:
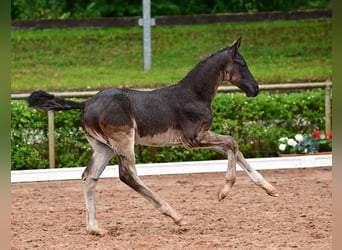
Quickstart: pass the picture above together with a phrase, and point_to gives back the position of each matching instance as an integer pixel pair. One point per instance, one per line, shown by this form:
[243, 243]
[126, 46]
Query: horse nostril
[255, 92]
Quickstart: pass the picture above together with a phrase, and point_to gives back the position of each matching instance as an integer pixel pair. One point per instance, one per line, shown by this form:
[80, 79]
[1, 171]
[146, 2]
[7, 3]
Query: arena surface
[51, 215]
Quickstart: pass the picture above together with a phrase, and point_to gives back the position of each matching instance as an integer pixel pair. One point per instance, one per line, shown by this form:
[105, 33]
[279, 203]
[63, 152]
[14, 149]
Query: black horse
[115, 119]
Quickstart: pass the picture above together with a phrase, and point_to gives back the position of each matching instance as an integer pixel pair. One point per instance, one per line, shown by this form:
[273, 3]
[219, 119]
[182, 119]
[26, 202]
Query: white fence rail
[175, 168]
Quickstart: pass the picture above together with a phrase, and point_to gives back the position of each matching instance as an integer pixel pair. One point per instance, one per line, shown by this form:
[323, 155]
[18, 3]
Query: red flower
[316, 134]
[328, 135]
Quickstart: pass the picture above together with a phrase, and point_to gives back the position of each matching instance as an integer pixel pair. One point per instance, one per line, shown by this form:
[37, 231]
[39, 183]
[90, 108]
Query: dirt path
[51, 215]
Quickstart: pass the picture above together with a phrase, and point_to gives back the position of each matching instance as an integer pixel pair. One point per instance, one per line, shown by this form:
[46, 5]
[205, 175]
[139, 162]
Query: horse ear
[236, 44]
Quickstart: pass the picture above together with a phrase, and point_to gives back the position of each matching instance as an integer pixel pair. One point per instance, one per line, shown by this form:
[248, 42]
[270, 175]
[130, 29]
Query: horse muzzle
[253, 92]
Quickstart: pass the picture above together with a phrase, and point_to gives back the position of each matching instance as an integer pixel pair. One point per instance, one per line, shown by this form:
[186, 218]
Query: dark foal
[115, 119]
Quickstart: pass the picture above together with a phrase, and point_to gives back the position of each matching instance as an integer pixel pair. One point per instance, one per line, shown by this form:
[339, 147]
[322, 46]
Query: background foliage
[255, 123]
[64, 9]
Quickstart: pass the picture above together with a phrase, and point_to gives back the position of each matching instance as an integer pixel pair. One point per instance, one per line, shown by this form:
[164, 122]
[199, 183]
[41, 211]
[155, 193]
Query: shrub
[255, 123]
[63, 9]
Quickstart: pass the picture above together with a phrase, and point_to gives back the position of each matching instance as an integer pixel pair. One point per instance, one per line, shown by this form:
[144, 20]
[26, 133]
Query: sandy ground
[51, 215]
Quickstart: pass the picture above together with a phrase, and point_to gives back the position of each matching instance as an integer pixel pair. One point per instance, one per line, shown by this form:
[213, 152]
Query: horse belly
[169, 138]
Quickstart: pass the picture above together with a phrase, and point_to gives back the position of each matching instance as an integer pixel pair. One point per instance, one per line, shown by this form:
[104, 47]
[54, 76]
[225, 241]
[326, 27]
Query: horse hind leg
[128, 175]
[100, 158]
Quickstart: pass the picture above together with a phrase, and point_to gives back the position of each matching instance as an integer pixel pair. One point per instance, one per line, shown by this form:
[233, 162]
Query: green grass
[98, 58]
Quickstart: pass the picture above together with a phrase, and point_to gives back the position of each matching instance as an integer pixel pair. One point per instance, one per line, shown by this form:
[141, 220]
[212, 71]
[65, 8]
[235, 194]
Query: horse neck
[204, 79]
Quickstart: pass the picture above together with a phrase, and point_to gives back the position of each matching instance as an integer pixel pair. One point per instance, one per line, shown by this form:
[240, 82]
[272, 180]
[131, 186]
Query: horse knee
[234, 145]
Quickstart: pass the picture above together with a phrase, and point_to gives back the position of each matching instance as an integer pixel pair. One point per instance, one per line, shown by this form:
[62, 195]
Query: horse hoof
[96, 231]
[221, 196]
[272, 192]
[181, 222]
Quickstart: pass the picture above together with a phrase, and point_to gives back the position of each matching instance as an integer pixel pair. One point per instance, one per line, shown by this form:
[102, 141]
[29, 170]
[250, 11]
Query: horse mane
[200, 63]
[199, 78]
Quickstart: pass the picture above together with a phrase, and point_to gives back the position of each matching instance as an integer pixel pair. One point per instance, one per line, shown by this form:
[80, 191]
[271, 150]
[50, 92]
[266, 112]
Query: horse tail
[45, 101]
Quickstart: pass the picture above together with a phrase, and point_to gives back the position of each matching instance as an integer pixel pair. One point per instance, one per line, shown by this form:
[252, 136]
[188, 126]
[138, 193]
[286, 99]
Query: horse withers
[115, 119]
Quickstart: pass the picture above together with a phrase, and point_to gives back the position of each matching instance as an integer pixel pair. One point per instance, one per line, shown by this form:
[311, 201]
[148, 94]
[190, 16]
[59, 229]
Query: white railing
[189, 167]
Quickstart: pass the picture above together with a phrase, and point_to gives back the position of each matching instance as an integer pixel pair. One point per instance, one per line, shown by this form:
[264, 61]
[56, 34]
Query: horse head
[237, 71]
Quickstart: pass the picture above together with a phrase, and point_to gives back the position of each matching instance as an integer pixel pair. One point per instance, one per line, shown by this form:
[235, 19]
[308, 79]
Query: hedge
[255, 123]
[64, 9]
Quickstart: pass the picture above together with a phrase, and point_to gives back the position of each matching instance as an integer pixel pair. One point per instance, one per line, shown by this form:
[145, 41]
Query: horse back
[166, 113]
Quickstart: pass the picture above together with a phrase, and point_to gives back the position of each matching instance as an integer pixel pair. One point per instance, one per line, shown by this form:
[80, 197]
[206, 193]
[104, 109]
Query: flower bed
[317, 142]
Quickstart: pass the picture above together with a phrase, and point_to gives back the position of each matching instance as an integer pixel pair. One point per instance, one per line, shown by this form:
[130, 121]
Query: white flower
[282, 147]
[292, 142]
[299, 137]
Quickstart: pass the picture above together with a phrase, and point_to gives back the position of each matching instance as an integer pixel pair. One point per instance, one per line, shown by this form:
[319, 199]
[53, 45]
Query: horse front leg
[227, 146]
[256, 176]
[230, 177]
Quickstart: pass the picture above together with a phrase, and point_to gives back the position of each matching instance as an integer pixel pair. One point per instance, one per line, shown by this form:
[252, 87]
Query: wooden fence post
[327, 109]
[51, 139]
